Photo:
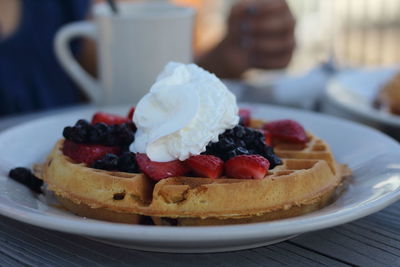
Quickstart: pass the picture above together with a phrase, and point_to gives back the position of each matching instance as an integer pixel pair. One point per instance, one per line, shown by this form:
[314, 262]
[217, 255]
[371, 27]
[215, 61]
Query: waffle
[306, 181]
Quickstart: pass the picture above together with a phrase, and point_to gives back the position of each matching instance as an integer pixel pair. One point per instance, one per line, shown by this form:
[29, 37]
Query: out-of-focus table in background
[370, 241]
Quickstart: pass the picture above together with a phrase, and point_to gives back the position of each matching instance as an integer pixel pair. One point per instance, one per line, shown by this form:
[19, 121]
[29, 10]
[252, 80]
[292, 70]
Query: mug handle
[61, 45]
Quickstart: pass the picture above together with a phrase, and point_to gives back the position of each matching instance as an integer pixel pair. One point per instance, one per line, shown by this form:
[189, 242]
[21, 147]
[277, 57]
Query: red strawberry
[160, 170]
[131, 112]
[244, 115]
[286, 130]
[206, 165]
[83, 153]
[109, 119]
[247, 167]
[267, 136]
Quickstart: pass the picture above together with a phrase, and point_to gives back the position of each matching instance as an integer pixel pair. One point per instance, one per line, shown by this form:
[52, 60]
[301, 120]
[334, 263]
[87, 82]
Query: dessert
[188, 159]
[388, 98]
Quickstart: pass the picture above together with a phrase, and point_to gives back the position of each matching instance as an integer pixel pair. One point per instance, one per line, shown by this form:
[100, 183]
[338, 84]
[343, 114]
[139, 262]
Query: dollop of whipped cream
[186, 108]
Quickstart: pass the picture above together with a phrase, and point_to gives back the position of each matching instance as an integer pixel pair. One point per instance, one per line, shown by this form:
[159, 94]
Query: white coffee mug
[132, 48]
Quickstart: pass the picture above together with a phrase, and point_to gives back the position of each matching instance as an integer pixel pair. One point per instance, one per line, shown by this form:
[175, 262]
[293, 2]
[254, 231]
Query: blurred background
[346, 53]
[357, 32]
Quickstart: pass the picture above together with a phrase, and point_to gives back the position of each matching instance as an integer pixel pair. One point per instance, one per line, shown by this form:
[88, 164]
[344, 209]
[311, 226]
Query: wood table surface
[370, 241]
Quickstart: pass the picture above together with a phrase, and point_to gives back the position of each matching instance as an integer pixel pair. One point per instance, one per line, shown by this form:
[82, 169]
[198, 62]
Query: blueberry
[26, 177]
[67, 132]
[127, 163]
[82, 123]
[226, 143]
[242, 151]
[239, 131]
[107, 162]
[230, 154]
[124, 134]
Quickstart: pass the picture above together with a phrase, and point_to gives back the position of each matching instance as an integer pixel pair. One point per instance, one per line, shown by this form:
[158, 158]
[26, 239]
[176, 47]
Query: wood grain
[23, 244]
[371, 241]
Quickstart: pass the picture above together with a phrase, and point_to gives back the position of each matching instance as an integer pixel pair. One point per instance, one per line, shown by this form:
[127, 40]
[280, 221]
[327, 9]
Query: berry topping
[26, 177]
[247, 167]
[245, 116]
[108, 162]
[242, 141]
[124, 163]
[120, 135]
[160, 170]
[84, 153]
[100, 133]
[77, 133]
[131, 112]
[109, 119]
[127, 163]
[286, 130]
[205, 165]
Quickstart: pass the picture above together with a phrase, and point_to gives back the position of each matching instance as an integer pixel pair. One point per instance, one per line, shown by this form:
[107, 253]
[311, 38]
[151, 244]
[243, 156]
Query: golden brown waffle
[305, 182]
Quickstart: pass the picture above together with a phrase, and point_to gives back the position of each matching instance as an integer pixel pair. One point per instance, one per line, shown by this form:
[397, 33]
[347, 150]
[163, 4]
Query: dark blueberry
[127, 163]
[274, 160]
[124, 134]
[252, 152]
[26, 177]
[242, 151]
[93, 136]
[230, 154]
[226, 143]
[107, 162]
[82, 123]
[240, 143]
[76, 133]
[239, 131]
[67, 132]
[259, 134]
[98, 133]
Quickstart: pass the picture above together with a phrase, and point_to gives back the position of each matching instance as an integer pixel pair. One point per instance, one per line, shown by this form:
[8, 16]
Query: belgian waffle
[306, 181]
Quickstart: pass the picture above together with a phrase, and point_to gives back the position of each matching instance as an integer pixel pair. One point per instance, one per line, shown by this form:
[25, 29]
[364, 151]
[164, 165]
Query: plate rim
[369, 112]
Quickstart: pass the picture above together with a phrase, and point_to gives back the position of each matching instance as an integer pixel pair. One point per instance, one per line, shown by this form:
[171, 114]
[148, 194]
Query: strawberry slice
[109, 119]
[131, 112]
[245, 116]
[205, 165]
[287, 130]
[160, 170]
[247, 167]
[83, 153]
[267, 137]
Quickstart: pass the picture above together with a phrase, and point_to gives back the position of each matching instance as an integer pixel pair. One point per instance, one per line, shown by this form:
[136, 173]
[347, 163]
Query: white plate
[354, 91]
[373, 157]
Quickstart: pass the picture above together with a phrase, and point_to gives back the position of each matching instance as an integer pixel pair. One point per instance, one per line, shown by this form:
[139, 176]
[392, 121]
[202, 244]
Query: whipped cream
[186, 108]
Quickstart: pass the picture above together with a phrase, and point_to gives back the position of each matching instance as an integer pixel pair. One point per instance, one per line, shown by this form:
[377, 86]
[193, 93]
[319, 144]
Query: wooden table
[371, 241]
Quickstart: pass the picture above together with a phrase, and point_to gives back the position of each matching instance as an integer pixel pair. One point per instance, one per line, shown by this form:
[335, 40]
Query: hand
[260, 35]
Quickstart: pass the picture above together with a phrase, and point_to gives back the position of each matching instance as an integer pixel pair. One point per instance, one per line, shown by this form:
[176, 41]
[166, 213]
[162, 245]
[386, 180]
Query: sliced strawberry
[245, 116]
[160, 170]
[83, 153]
[206, 165]
[247, 167]
[267, 137]
[286, 130]
[109, 119]
[131, 112]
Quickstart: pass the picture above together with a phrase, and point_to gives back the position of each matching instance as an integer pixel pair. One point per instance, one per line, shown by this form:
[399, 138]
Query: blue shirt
[30, 76]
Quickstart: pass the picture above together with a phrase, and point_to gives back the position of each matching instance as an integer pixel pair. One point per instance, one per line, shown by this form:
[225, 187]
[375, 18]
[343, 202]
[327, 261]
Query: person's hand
[260, 34]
